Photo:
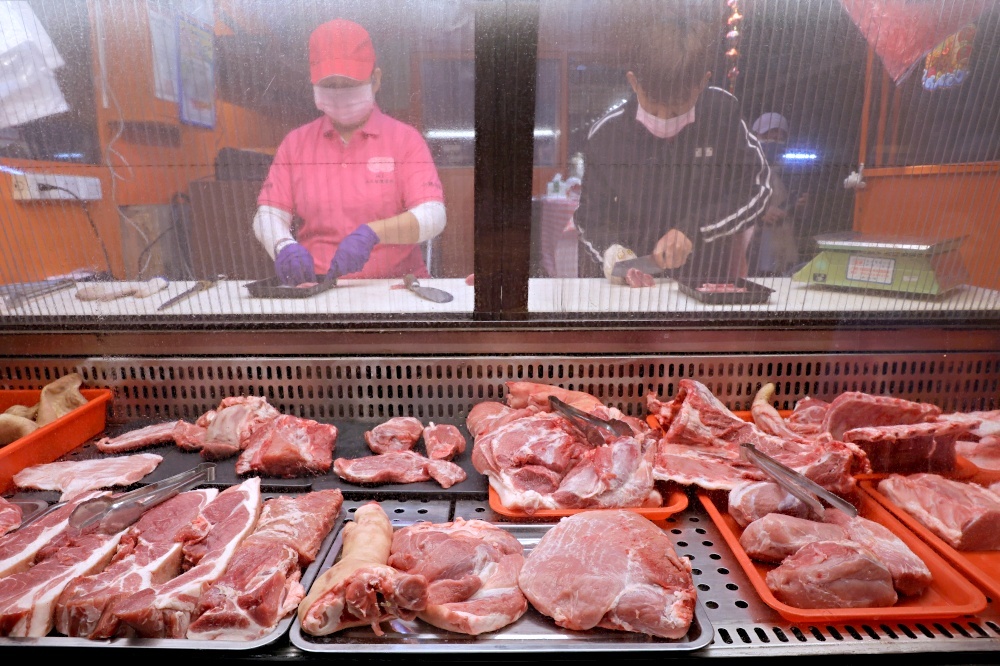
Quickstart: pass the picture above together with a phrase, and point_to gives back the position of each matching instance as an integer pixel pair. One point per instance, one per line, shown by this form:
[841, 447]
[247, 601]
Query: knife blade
[646, 264]
[200, 285]
[428, 293]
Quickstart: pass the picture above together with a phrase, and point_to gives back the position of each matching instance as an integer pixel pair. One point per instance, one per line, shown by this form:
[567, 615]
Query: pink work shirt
[334, 187]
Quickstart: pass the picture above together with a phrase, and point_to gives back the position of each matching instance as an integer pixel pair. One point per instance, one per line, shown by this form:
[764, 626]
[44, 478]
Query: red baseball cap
[340, 48]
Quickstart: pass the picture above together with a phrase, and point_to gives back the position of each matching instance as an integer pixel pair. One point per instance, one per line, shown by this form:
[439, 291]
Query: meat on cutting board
[148, 554]
[775, 536]
[261, 584]
[10, 516]
[753, 500]
[288, 446]
[19, 548]
[471, 568]
[73, 477]
[965, 515]
[444, 441]
[399, 433]
[166, 610]
[398, 467]
[361, 588]
[832, 574]
[582, 578]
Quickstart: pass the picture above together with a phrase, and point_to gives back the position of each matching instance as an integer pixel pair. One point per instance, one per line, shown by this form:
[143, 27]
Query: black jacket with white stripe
[710, 181]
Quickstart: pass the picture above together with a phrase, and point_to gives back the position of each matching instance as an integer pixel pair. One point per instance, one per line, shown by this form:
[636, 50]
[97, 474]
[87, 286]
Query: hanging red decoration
[733, 39]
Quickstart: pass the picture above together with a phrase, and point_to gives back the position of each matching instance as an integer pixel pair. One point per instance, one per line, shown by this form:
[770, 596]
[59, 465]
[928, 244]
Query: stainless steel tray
[533, 632]
[57, 640]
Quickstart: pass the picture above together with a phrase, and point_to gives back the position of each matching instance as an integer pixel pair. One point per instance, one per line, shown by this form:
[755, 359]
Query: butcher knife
[428, 293]
[646, 264]
[200, 285]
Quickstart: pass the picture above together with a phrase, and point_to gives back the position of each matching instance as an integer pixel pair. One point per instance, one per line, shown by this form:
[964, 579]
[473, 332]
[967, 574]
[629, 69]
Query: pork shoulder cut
[753, 500]
[399, 433]
[775, 536]
[832, 574]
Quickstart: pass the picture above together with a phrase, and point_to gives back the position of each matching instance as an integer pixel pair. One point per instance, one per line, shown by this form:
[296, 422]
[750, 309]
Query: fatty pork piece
[984, 454]
[910, 576]
[10, 516]
[73, 477]
[858, 410]
[166, 610]
[471, 568]
[361, 589]
[443, 442]
[261, 584]
[399, 433]
[187, 436]
[832, 574]
[612, 569]
[753, 500]
[398, 467]
[981, 423]
[149, 554]
[288, 446]
[918, 447]
[964, 515]
[775, 536]
[230, 426]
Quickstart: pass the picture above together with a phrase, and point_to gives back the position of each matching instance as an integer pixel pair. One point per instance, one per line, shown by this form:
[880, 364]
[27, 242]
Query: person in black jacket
[674, 172]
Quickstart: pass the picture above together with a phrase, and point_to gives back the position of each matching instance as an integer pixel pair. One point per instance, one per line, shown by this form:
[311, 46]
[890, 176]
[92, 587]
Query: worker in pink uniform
[363, 184]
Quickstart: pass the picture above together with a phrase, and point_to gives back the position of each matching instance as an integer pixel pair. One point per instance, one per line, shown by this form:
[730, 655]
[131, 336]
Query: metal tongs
[595, 430]
[797, 484]
[115, 513]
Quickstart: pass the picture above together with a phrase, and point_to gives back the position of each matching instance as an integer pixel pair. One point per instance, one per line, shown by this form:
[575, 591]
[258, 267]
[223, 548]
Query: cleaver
[429, 293]
[646, 264]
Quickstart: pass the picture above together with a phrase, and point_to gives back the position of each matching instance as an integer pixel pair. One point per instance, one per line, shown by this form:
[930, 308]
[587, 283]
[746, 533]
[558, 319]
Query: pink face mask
[345, 106]
[664, 128]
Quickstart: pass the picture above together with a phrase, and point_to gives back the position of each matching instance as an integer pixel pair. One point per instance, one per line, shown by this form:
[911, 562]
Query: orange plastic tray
[676, 501]
[950, 594]
[54, 440]
[982, 566]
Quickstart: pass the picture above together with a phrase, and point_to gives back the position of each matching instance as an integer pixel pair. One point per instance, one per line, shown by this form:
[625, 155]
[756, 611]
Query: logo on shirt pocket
[381, 164]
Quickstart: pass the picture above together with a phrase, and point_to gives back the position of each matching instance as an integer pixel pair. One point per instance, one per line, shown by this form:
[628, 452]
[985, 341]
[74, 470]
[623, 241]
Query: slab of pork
[753, 500]
[443, 442]
[775, 536]
[10, 516]
[399, 433]
[288, 446]
[832, 574]
[73, 477]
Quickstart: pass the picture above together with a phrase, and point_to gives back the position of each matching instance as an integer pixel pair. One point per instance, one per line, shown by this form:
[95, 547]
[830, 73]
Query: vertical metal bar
[506, 46]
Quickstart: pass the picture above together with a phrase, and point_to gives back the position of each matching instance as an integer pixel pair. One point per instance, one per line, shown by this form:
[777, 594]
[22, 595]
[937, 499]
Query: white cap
[770, 121]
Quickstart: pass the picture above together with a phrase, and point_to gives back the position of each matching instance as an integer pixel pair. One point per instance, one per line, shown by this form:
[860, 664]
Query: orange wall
[939, 201]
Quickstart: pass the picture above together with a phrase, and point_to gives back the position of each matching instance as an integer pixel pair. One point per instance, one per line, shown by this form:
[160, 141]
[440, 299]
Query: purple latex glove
[353, 252]
[294, 265]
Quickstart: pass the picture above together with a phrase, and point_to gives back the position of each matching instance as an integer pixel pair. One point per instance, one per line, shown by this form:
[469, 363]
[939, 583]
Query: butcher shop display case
[371, 402]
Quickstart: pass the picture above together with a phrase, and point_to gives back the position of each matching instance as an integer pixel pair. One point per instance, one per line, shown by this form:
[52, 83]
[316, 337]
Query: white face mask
[345, 106]
[664, 128]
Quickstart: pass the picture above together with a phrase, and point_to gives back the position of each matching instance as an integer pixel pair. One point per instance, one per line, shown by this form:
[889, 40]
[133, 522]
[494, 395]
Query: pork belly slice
[261, 584]
[73, 477]
[28, 598]
[471, 569]
[133, 440]
[398, 467]
[753, 500]
[832, 574]
[288, 446]
[582, 578]
[149, 554]
[443, 442]
[775, 536]
[10, 516]
[166, 610]
[19, 549]
[964, 515]
[230, 426]
[854, 409]
[399, 433]
[361, 589]
[918, 447]
[910, 576]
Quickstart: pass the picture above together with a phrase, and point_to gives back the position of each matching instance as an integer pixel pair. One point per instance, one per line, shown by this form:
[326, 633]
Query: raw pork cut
[443, 442]
[399, 433]
[859, 410]
[984, 454]
[261, 584]
[832, 574]
[910, 576]
[775, 536]
[149, 554]
[361, 589]
[166, 610]
[19, 548]
[10, 516]
[28, 598]
[73, 477]
[140, 438]
[529, 394]
[965, 515]
[918, 447]
[398, 467]
[807, 417]
[230, 426]
[981, 424]
[471, 569]
[288, 446]
[611, 569]
[754, 500]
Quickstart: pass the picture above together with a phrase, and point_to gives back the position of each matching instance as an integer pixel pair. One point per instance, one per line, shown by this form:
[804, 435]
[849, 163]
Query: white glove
[612, 256]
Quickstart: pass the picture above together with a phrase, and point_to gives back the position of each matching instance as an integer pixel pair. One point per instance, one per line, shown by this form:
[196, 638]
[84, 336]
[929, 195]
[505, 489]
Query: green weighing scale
[903, 265]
